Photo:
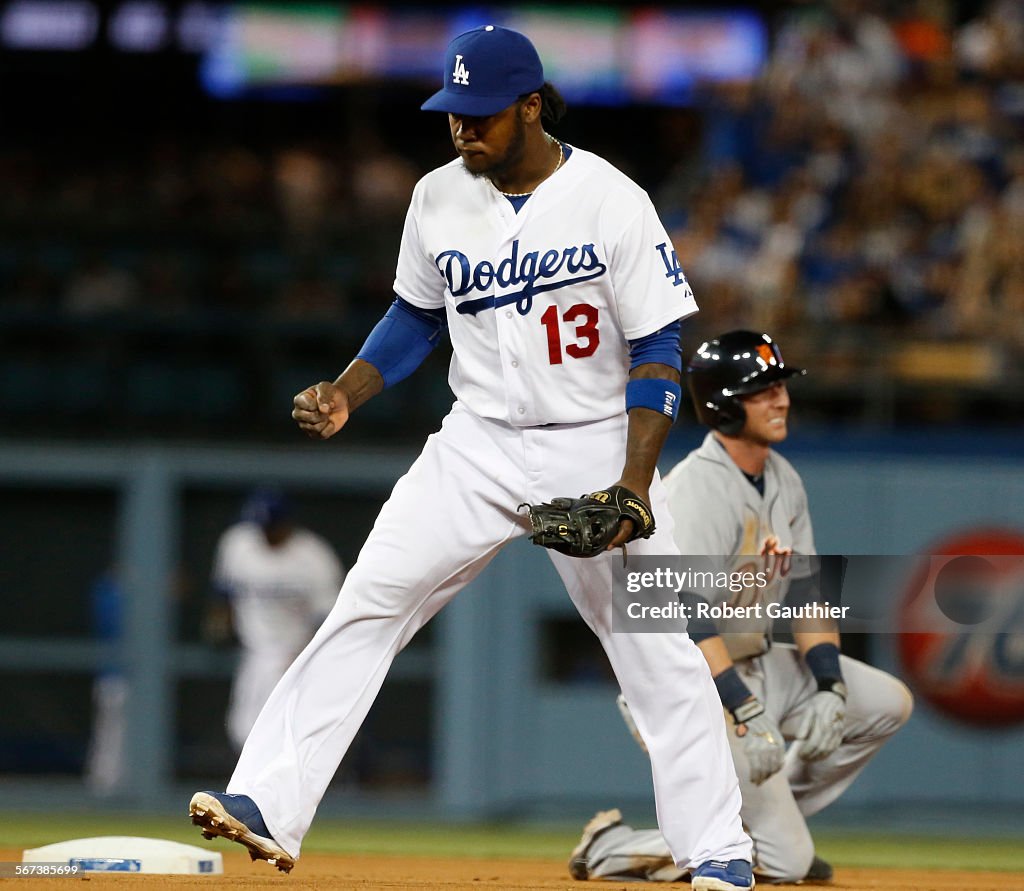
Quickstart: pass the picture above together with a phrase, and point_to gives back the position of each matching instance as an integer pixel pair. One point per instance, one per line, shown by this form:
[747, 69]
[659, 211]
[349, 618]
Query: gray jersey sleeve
[699, 499]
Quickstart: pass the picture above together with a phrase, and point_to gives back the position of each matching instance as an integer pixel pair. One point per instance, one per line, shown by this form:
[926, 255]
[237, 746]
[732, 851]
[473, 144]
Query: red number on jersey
[588, 337]
[550, 321]
[586, 331]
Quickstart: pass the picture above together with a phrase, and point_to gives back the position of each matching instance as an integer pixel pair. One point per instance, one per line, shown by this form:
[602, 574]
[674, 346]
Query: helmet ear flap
[730, 416]
[719, 412]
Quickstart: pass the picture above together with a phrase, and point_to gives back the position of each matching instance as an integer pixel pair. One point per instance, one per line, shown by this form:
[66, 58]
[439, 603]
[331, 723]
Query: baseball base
[121, 853]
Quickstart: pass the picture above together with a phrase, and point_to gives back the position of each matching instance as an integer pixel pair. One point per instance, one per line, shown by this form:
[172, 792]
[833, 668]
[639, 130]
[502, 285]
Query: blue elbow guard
[400, 341]
[655, 393]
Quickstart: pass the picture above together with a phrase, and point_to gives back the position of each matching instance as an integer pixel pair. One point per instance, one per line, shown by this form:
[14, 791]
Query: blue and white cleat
[236, 818]
[718, 875]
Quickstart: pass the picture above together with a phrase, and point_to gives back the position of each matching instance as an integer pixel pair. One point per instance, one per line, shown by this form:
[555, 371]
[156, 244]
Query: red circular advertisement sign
[961, 622]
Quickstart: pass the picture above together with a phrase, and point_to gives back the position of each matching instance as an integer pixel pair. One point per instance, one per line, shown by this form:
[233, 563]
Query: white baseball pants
[445, 520]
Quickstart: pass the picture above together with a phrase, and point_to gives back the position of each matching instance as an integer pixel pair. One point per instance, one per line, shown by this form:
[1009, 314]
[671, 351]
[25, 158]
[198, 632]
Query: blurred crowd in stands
[290, 231]
[863, 200]
[870, 183]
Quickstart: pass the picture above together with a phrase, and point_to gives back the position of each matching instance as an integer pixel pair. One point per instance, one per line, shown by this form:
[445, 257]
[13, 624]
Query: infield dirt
[336, 872]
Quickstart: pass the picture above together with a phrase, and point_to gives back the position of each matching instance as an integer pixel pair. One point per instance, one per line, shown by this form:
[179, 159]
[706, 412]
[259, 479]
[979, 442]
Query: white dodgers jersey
[541, 303]
[717, 512]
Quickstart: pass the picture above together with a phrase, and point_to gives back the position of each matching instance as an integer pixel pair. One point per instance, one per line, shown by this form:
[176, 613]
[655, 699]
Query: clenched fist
[322, 410]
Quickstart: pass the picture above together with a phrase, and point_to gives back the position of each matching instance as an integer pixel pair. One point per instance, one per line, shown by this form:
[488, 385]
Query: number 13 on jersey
[581, 320]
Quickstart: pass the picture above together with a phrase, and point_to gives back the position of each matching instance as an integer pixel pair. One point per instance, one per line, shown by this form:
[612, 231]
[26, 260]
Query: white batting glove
[762, 741]
[821, 730]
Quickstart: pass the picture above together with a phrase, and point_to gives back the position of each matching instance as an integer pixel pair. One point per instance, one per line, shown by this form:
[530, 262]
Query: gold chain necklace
[561, 158]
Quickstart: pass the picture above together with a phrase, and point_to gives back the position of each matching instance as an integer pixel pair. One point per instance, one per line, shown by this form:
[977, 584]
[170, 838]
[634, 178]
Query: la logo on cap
[504, 65]
[461, 73]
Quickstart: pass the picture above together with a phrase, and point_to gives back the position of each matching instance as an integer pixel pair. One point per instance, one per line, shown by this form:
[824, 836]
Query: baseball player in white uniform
[562, 296]
[280, 581]
[835, 712]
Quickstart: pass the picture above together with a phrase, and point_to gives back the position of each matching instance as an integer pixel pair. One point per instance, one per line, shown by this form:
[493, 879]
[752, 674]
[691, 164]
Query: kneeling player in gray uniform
[736, 496]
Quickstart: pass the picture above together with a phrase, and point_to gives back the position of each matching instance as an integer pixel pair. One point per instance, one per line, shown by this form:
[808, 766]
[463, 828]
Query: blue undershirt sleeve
[401, 340]
[662, 347]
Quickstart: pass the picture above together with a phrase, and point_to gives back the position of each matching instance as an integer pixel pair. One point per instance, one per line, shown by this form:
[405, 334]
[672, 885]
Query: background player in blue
[563, 298]
[836, 712]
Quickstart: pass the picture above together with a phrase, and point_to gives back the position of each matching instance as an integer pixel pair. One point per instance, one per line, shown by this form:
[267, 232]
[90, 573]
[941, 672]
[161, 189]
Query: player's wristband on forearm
[655, 393]
[734, 693]
[823, 662]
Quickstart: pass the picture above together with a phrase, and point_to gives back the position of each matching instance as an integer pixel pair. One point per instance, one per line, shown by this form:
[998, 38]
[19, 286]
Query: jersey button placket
[516, 389]
[506, 349]
[512, 329]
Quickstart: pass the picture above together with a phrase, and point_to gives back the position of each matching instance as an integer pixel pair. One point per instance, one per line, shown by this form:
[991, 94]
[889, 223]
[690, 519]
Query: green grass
[512, 841]
[33, 830]
[921, 852]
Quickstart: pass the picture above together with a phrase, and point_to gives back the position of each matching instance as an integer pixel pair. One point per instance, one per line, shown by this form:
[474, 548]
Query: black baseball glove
[584, 526]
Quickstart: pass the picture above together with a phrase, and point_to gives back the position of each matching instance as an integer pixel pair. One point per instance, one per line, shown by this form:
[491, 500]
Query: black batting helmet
[731, 366]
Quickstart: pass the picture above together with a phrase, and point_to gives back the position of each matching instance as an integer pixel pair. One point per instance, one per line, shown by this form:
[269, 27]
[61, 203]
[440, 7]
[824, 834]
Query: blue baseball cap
[485, 71]
[266, 507]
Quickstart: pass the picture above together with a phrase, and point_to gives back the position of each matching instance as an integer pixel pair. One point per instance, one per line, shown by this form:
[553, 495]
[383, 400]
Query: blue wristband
[732, 689]
[655, 393]
[823, 661]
